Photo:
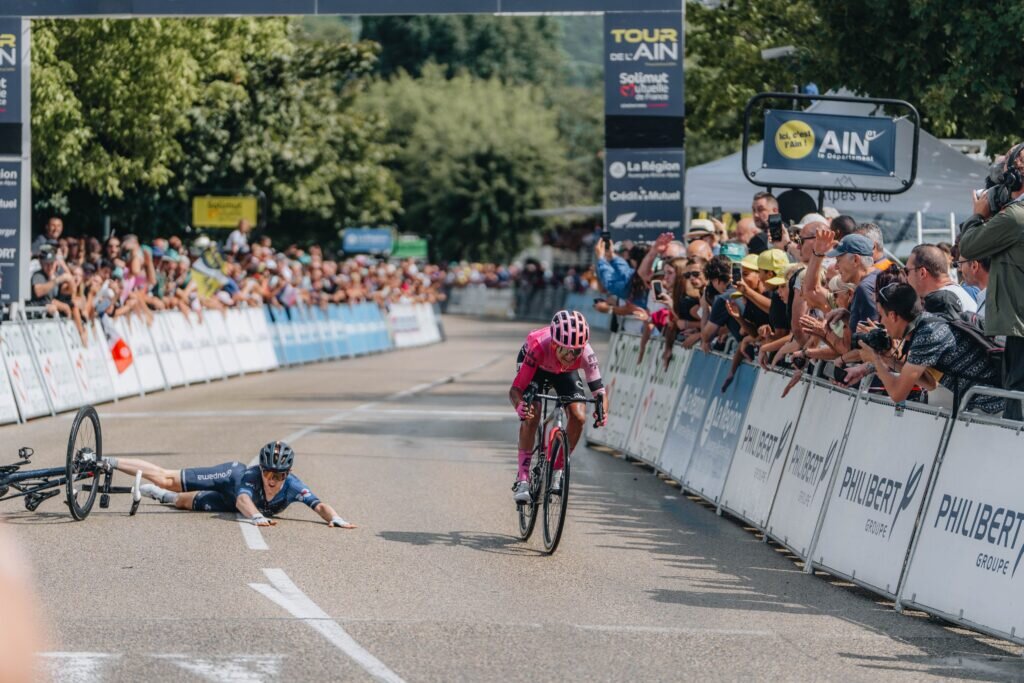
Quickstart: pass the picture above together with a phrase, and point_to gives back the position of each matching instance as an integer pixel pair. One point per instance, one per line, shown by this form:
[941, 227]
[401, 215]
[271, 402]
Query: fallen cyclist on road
[257, 492]
[553, 355]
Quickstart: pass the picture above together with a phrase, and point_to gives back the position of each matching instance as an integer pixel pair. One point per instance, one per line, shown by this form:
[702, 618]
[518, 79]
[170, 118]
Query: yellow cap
[749, 262]
[774, 260]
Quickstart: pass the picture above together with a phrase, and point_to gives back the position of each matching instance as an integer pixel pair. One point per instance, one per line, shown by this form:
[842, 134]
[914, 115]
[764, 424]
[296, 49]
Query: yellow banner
[223, 212]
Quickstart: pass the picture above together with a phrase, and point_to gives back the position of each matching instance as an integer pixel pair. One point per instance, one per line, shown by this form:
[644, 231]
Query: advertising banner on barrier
[879, 491]
[968, 556]
[207, 346]
[657, 402]
[88, 364]
[188, 350]
[691, 408]
[263, 338]
[28, 387]
[629, 382]
[58, 376]
[812, 462]
[170, 361]
[126, 383]
[244, 341]
[147, 363]
[227, 354]
[412, 325]
[761, 452]
[609, 375]
[720, 433]
[8, 404]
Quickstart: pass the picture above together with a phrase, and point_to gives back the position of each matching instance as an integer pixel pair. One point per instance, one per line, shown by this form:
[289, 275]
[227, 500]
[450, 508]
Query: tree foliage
[517, 50]
[132, 117]
[476, 155]
[724, 68]
[959, 63]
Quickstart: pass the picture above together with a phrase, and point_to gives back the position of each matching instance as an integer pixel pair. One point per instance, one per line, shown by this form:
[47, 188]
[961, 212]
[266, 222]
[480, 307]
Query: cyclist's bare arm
[248, 509]
[328, 514]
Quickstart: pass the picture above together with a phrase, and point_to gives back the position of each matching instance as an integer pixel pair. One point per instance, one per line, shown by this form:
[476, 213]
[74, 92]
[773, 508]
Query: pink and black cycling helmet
[570, 329]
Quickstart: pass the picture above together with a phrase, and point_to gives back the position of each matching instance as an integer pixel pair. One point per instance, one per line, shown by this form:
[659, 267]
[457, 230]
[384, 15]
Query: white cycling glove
[259, 520]
[337, 521]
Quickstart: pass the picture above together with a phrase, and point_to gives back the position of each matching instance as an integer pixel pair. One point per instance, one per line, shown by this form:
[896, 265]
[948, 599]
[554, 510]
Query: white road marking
[76, 667]
[363, 409]
[615, 628]
[230, 669]
[252, 535]
[288, 596]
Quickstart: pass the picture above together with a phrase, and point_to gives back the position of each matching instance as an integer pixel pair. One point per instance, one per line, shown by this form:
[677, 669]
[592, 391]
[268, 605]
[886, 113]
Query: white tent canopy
[945, 179]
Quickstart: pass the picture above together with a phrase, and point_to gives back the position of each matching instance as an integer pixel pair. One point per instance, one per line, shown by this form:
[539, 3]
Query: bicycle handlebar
[529, 396]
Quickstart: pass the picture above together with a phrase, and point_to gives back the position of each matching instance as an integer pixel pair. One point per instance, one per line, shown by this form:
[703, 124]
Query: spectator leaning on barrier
[996, 231]
[856, 265]
[716, 318]
[927, 273]
[927, 351]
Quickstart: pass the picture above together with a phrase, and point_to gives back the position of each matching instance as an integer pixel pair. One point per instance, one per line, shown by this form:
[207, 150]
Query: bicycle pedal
[104, 500]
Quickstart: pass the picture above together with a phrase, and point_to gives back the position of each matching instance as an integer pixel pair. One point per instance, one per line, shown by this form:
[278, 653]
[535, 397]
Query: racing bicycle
[551, 445]
[83, 477]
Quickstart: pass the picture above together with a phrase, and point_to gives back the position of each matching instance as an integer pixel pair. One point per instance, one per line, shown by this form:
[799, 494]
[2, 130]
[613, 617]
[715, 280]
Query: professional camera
[876, 338]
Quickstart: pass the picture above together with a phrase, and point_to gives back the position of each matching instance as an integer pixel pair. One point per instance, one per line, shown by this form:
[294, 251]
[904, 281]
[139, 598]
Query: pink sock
[524, 465]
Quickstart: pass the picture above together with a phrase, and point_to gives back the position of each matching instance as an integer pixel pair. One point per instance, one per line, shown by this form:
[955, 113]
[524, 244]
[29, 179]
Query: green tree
[163, 109]
[476, 156]
[724, 68]
[957, 62]
[109, 98]
[514, 49]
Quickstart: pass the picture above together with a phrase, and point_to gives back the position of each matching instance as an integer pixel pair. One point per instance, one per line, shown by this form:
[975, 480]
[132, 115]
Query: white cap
[811, 218]
[830, 212]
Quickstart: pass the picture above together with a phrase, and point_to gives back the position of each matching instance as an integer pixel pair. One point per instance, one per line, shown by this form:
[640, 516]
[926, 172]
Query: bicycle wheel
[527, 512]
[85, 448]
[555, 503]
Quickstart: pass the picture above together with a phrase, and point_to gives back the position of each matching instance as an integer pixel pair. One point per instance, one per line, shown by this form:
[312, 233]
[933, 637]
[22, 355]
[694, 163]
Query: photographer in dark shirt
[925, 349]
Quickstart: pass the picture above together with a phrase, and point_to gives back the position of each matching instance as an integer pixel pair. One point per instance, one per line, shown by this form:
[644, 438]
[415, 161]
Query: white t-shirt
[966, 302]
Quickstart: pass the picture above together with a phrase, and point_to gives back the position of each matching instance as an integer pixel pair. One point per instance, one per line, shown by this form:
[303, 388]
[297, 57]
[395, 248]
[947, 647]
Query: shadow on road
[749, 575]
[501, 544]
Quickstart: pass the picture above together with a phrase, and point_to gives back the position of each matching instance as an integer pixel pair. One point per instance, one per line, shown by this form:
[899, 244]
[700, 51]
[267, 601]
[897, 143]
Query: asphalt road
[417, 447]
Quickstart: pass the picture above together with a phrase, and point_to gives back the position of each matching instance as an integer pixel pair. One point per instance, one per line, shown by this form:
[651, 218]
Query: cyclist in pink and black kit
[553, 356]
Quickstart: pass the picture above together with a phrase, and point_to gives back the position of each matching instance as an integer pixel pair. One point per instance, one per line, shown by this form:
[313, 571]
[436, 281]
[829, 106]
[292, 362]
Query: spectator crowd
[823, 295]
[83, 278]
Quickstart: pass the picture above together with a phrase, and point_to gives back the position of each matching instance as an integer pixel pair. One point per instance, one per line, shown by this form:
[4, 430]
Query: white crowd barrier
[48, 368]
[481, 300]
[901, 500]
[501, 303]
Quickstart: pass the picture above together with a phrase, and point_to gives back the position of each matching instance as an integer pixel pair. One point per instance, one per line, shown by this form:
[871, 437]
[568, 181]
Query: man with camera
[996, 231]
[772, 235]
[925, 349]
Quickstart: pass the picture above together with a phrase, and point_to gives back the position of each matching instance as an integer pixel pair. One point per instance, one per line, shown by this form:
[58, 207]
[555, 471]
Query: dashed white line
[287, 595]
[251, 534]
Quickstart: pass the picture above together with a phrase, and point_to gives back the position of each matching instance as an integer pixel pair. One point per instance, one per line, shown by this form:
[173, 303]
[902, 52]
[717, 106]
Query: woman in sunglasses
[257, 492]
[553, 355]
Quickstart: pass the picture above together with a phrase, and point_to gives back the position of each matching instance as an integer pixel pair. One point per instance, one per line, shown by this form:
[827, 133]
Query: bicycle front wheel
[555, 504]
[527, 512]
[85, 448]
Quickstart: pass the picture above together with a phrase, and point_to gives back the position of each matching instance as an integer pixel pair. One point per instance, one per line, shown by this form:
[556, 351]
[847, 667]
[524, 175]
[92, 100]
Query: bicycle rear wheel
[555, 503]
[85, 448]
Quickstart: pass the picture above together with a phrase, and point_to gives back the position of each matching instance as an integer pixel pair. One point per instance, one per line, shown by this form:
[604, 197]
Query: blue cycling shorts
[217, 486]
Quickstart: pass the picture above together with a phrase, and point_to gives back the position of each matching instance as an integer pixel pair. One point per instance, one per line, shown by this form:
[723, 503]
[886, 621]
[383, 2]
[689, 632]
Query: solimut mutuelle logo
[995, 527]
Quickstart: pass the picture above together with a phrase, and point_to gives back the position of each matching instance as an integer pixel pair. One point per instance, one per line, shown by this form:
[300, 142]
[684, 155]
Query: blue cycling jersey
[220, 485]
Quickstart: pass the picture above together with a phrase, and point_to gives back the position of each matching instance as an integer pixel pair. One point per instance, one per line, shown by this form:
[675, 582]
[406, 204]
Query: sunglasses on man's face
[566, 351]
[275, 476]
[692, 273]
[959, 265]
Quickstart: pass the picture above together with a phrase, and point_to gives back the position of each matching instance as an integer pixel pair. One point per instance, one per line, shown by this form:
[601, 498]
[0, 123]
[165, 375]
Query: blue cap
[854, 244]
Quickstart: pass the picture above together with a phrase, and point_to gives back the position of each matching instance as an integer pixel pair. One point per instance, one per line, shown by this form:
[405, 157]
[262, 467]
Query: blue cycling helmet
[277, 456]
